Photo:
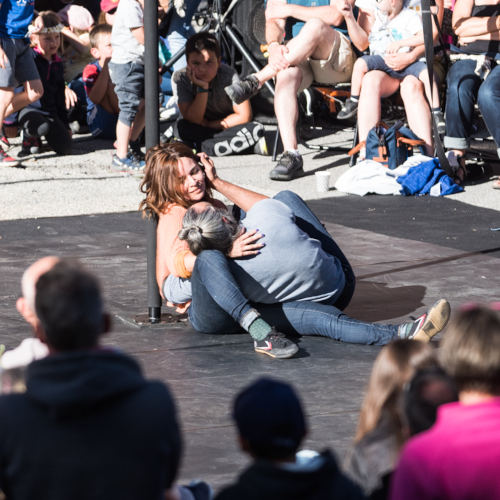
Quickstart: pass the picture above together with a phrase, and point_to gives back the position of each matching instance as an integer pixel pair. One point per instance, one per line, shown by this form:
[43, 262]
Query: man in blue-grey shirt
[310, 47]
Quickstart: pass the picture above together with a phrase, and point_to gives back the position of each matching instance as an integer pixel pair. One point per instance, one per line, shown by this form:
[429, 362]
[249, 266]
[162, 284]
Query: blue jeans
[219, 306]
[464, 86]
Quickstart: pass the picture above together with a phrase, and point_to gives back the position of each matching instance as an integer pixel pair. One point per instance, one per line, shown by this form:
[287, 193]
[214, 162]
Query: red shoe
[6, 160]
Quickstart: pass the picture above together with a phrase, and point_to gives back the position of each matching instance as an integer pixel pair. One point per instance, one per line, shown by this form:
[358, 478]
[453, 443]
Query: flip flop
[496, 184]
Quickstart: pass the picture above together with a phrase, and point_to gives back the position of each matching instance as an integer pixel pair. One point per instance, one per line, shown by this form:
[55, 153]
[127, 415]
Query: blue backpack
[390, 146]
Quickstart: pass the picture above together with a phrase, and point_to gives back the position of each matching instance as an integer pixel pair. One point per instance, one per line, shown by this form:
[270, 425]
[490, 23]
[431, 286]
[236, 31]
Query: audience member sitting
[102, 103]
[396, 28]
[271, 427]
[306, 42]
[14, 361]
[108, 11]
[429, 388]
[474, 76]
[458, 457]
[378, 84]
[210, 121]
[382, 429]
[89, 424]
[47, 117]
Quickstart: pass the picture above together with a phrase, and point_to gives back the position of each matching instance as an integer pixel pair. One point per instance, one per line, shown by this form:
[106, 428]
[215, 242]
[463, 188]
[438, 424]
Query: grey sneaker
[428, 325]
[276, 345]
[244, 89]
[289, 167]
[349, 110]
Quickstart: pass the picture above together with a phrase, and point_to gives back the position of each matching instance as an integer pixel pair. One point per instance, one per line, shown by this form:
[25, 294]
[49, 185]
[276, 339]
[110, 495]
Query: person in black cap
[271, 426]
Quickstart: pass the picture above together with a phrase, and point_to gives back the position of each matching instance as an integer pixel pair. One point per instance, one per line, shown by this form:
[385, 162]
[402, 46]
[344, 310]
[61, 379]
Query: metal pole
[151, 92]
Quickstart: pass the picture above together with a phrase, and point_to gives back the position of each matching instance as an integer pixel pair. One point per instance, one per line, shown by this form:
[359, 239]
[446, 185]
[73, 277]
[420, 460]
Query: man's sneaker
[127, 164]
[276, 345]
[441, 124]
[349, 110]
[30, 146]
[289, 167]
[260, 147]
[6, 160]
[240, 91]
[428, 325]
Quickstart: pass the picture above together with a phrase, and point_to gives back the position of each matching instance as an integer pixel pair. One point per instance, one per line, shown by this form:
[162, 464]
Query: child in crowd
[49, 116]
[102, 103]
[16, 66]
[395, 29]
[108, 11]
[271, 426]
[210, 121]
[126, 69]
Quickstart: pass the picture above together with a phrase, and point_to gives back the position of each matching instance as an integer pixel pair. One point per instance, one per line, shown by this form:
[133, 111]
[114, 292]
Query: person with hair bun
[280, 296]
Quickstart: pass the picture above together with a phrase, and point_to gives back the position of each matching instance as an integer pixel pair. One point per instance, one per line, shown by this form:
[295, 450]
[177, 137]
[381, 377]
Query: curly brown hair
[162, 182]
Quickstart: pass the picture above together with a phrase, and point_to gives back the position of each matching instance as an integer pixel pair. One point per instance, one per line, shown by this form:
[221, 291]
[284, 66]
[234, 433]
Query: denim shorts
[376, 62]
[21, 65]
[129, 88]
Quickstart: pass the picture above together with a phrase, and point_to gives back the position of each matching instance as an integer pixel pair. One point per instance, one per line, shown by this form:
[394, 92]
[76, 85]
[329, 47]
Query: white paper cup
[322, 181]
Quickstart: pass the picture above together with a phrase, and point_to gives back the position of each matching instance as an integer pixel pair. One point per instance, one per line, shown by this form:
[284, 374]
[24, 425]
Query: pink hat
[107, 5]
[76, 16]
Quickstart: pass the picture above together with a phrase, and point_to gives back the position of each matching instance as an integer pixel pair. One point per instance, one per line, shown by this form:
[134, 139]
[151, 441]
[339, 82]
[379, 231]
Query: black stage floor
[406, 252]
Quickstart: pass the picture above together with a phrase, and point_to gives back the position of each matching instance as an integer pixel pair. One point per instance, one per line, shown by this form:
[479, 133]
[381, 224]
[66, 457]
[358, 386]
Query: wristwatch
[201, 90]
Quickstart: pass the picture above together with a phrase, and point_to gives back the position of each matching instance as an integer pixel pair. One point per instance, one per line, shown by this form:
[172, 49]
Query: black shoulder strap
[429, 58]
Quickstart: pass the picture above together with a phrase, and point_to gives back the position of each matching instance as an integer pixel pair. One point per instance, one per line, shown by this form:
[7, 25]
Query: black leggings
[36, 124]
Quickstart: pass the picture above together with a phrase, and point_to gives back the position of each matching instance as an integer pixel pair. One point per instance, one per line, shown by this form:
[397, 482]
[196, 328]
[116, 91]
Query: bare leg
[122, 135]
[315, 40]
[424, 78]
[376, 84]
[286, 106]
[33, 90]
[358, 72]
[6, 95]
[138, 123]
[417, 111]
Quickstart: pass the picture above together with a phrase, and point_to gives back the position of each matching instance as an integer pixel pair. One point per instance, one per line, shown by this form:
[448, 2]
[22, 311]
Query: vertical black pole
[151, 89]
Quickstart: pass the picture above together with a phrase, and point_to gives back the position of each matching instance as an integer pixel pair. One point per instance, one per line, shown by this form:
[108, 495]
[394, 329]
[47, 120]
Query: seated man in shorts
[316, 49]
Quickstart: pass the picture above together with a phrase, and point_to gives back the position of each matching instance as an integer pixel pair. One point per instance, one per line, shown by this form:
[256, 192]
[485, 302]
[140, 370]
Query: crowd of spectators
[89, 74]
[87, 424]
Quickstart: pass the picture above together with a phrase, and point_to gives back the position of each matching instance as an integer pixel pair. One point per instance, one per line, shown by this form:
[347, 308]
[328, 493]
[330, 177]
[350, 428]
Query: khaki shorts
[336, 69]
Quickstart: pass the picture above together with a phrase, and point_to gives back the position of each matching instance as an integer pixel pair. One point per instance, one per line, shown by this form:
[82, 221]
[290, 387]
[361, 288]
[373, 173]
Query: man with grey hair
[30, 348]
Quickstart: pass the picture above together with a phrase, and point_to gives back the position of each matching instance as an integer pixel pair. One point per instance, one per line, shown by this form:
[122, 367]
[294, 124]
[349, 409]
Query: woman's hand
[245, 244]
[208, 163]
[393, 48]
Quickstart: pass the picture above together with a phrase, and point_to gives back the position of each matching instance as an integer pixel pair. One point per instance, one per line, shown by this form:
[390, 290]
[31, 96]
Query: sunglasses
[112, 11]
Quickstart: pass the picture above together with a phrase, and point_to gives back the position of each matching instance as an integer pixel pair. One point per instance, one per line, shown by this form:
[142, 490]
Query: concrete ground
[82, 183]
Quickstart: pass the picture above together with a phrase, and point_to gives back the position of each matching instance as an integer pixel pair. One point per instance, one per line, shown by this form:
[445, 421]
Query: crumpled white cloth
[369, 176]
[27, 351]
